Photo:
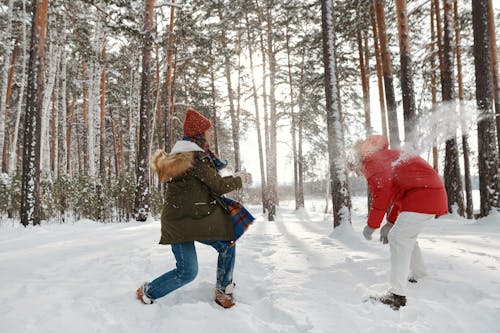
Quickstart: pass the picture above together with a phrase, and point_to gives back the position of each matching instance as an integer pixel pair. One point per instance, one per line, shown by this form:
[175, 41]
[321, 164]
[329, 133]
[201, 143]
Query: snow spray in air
[440, 125]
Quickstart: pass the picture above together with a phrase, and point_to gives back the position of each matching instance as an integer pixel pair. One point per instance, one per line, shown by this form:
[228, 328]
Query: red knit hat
[195, 123]
[373, 144]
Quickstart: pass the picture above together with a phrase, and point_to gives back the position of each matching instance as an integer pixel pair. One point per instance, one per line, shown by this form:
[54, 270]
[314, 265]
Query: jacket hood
[176, 163]
[183, 146]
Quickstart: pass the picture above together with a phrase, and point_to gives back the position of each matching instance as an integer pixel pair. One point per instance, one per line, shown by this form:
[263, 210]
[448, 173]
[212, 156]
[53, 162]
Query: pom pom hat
[195, 123]
[373, 144]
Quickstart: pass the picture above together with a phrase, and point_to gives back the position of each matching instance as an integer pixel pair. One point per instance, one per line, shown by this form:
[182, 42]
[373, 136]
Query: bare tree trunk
[53, 132]
[14, 156]
[378, 67]
[265, 105]
[8, 94]
[257, 117]
[364, 83]
[435, 155]
[5, 73]
[336, 149]
[409, 111]
[102, 104]
[30, 197]
[469, 209]
[85, 117]
[293, 128]
[214, 103]
[452, 175]
[68, 135]
[489, 179]
[235, 128]
[272, 172]
[494, 67]
[388, 79]
[142, 191]
[169, 113]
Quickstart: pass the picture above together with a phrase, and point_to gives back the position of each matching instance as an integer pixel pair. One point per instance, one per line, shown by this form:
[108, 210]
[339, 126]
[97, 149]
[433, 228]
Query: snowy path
[292, 275]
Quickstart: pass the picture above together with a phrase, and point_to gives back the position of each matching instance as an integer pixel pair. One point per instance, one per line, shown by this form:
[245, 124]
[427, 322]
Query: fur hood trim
[173, 165]
[185, 146]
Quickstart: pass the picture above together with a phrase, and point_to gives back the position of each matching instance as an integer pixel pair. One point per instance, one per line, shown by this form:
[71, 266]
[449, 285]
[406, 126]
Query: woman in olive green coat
[193, 211]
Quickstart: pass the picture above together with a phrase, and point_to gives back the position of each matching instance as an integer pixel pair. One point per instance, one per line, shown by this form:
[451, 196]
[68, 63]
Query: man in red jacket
[416, 194]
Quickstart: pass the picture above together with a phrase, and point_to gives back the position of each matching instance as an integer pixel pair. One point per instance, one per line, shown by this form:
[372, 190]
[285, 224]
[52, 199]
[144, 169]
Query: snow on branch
[159, 4]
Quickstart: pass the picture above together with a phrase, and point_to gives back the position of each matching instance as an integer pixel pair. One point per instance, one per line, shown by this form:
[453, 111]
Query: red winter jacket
[409, 184]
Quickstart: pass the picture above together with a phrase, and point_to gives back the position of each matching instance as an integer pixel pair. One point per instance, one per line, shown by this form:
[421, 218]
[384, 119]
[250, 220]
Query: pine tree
[30, 196]
[489, 178]
[336, 149]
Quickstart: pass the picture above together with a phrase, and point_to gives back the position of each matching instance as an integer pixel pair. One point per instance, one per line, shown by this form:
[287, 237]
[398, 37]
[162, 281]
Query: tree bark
[469, 209]
[336, 149]
[30, 197]
[272, 172]
[388, 78]
[409, 111]
[169, 113]
[488, 154]
[452, 175]
[364, 83]
[378, 68]
[8, 94]
[102, 104]
[435, 154]
[142, 191]
[494, 68]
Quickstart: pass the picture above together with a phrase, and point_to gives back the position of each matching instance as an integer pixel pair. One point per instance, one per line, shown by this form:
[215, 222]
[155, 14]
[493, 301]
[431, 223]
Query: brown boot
[225, 298]
[141, 295]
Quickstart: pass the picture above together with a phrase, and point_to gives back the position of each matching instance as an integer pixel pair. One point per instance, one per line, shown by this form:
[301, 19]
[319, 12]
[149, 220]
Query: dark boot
[393, 300]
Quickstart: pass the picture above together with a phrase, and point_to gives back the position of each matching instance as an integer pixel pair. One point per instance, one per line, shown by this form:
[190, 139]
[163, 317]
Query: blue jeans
[187, 268]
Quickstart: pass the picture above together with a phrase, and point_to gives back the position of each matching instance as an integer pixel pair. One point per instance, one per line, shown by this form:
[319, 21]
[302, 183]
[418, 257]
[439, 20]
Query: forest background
[89, 89]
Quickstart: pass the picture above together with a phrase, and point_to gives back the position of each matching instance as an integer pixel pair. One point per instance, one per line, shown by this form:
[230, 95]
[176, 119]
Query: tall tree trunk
[142, 190]
[53, 132]
[272, 171]
[260, 21]
[494, 67]
[365, 84]
[102, 118]
[388, 79]
[378, 68]
[14, 165]
[84, 134]
[68, 135]
[30, 197]
[435, 155]
[5, 73]
[469, 209]
[63, 115]
[169, 113]
[114, 142]
[8, 94]
[257, 117]
[336, 149]
[213, 96]
[452, 175]
[489, 182]
[409, 111]
[235, 128]
[293, 128]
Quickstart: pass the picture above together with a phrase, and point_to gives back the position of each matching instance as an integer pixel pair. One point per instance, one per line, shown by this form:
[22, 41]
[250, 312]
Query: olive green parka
[192, 209]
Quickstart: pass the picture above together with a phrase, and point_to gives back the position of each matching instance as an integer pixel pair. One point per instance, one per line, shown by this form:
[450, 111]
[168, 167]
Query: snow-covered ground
[292, 275]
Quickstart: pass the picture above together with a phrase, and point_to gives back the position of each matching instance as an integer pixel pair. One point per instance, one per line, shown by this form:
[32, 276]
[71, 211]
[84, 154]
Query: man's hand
[384, 232]
[367, 232]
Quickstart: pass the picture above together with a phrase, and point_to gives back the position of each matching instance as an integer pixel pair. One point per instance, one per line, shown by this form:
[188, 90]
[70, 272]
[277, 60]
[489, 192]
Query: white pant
[406, 259]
